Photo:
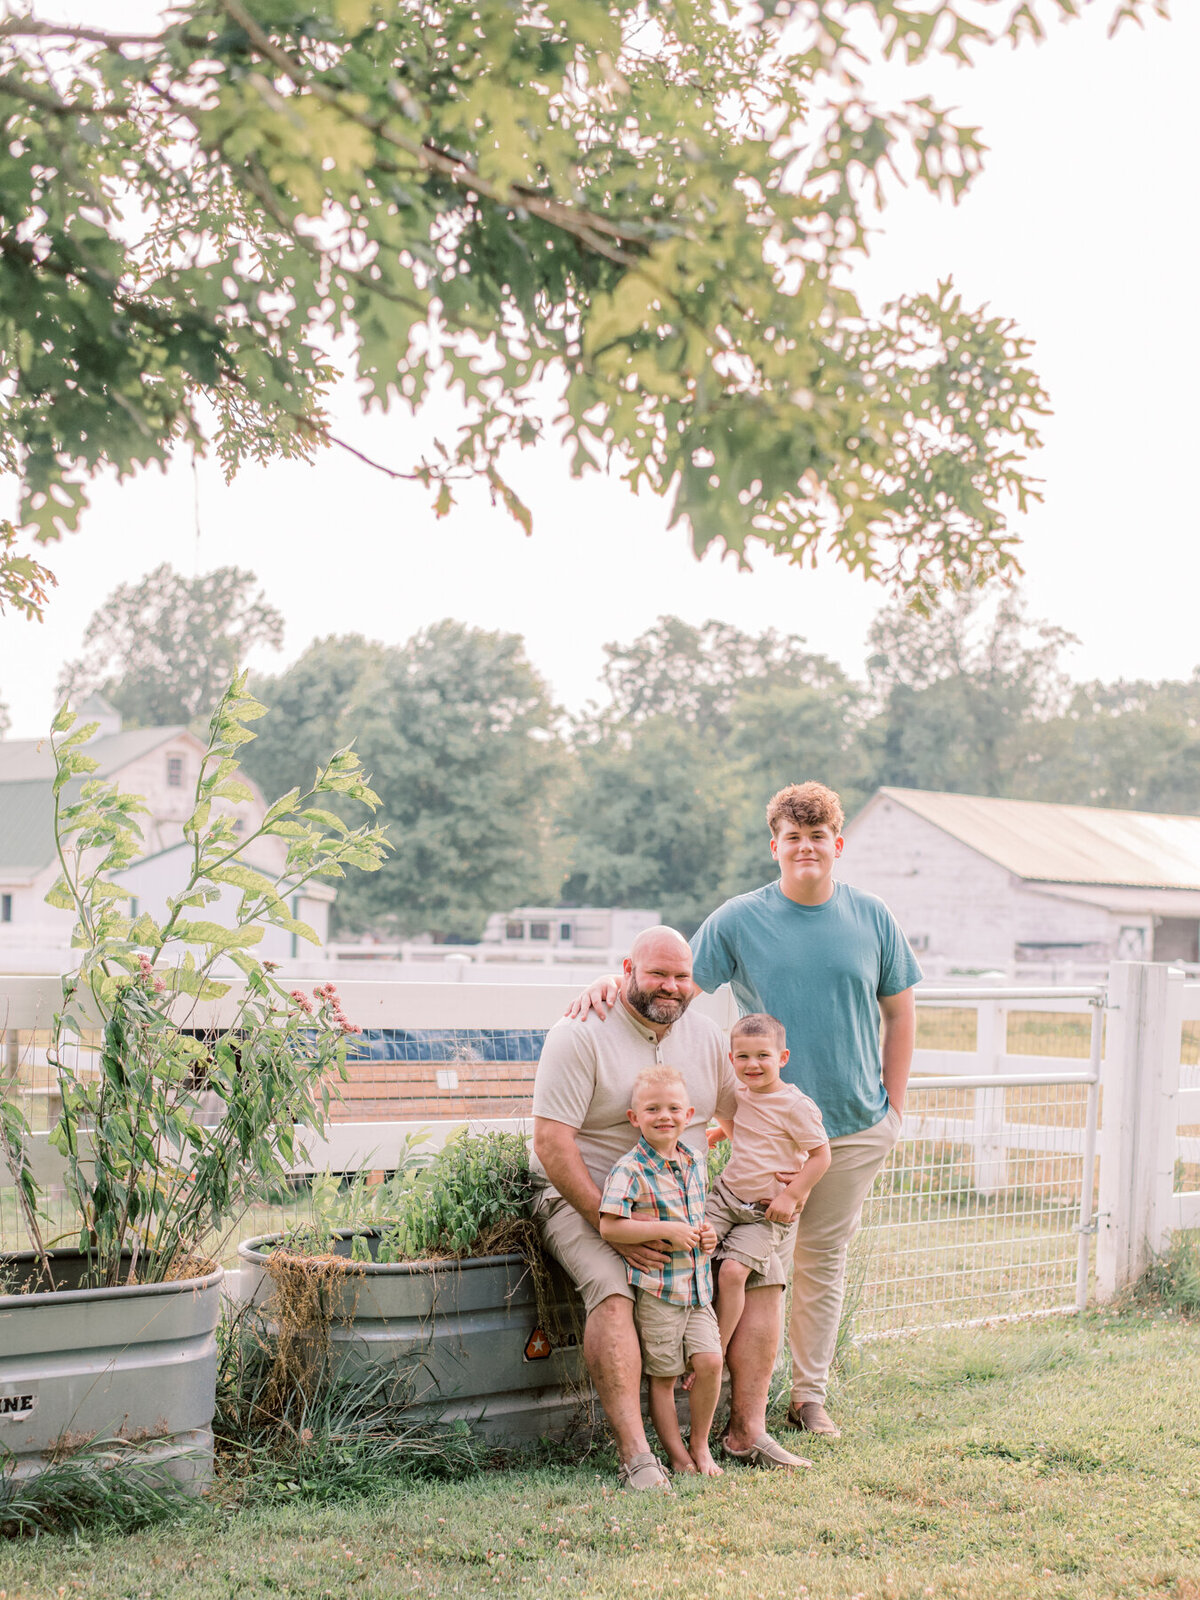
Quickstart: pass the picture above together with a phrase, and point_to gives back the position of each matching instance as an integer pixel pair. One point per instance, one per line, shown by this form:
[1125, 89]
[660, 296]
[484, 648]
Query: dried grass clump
[306, 1298]
[189, 1266]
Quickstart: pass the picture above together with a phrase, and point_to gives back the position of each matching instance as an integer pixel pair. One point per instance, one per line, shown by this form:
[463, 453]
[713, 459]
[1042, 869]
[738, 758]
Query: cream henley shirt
[587, 1069]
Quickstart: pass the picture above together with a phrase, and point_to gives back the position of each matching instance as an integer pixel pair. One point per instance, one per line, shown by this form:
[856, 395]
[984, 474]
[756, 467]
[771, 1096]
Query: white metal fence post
[987, 1121]
[1091, 1126]
[1140, 1082]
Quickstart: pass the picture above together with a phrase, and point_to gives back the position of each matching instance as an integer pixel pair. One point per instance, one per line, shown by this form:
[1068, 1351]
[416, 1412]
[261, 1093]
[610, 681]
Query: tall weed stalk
[148, 1177]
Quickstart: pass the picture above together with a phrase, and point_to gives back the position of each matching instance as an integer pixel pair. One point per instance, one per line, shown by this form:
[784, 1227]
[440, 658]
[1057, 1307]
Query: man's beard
[655, 1007]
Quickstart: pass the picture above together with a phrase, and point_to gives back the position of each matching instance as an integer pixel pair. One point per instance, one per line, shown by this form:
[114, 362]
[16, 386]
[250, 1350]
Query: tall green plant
[148, 1181]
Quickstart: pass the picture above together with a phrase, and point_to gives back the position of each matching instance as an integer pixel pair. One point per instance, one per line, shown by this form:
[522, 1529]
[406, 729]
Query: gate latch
[1093, 1226]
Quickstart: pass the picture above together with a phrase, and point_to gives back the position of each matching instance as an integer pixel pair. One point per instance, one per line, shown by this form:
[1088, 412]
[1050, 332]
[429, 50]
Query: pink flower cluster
[147, 976]
[328, 995]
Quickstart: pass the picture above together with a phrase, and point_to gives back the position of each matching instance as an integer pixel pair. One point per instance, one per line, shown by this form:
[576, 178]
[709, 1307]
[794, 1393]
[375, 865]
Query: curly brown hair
[809, 805]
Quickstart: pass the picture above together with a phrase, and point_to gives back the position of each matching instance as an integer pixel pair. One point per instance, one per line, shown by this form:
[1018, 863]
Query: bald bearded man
[581, 1095]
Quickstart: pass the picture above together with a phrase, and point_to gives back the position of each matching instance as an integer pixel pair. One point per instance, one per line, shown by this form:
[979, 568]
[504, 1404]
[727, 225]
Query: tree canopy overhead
[648, 206]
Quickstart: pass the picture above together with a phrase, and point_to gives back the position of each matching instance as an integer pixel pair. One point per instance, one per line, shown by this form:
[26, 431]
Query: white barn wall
[1038, 918]
[154, 879]
[169, 807]
[35, 926]
[943, 892]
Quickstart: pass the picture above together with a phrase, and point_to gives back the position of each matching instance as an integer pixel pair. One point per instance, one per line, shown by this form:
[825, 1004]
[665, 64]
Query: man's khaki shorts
[746, 1236]
[594, 1267]
[671, 1334]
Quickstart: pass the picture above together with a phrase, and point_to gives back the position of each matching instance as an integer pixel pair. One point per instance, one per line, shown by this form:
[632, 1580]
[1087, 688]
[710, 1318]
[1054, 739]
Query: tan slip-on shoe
[644, 1471]
[812, 1417]
[765, 1452]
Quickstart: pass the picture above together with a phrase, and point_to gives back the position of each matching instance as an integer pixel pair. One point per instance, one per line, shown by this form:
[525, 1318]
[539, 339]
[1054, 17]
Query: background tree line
[654, 796]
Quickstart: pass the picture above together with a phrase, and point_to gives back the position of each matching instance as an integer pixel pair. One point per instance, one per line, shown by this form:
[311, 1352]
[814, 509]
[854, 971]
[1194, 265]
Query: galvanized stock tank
[456, 1340]
[131, 1366]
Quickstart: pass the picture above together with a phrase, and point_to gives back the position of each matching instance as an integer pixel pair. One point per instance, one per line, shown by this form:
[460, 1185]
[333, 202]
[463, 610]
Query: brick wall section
[402, 1091]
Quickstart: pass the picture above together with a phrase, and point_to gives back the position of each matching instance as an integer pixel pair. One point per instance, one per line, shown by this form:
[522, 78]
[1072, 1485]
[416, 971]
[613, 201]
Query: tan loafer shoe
[765, 1452]
[644, 1471]
[812, 1417]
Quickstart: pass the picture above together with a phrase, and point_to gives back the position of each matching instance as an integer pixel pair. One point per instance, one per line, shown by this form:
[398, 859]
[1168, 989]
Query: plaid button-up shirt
[644, 1185]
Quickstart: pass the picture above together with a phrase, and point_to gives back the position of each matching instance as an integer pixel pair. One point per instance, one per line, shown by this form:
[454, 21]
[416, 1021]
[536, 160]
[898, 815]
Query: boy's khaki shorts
[745, 1235]
[671, 1334]
[594, 1267]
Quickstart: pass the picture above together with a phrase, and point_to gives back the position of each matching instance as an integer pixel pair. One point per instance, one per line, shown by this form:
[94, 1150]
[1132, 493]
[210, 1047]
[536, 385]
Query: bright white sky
[1083, 229]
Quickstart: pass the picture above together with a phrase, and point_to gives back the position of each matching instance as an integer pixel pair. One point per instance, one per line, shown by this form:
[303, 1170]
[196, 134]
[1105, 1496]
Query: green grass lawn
[1057, 1458]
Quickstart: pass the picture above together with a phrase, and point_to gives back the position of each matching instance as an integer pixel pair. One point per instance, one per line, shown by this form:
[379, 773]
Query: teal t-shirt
[820, 970]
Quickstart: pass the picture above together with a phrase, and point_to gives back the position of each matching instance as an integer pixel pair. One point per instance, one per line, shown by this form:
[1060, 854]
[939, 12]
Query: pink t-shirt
[771, 1133]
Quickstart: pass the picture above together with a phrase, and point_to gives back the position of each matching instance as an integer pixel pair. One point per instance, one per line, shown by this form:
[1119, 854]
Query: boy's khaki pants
[826, 1225]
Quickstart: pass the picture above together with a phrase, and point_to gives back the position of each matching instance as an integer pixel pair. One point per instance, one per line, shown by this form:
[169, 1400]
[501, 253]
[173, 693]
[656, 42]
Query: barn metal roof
[1120, 897]
[1066, 844]
[27, 795]
[25, 760]
[26, 829]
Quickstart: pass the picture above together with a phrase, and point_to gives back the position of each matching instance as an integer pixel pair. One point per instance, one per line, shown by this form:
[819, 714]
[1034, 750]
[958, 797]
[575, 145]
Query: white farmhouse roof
[1067, 845]
[27, 796]
[32, 760]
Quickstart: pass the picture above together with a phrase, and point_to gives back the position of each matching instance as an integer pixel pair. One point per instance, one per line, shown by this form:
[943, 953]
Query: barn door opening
[1176, 939]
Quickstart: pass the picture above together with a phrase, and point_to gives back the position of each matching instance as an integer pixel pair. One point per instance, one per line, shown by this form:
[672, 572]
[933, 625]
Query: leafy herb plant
[150, 1183]
[474, 1199]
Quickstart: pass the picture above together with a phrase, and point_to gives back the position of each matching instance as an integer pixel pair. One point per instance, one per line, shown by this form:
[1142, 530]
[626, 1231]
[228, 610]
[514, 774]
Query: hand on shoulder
[600, 996]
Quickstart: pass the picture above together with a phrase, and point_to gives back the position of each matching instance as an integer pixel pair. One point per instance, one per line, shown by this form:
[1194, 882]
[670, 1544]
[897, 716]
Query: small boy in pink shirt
[775, 1128]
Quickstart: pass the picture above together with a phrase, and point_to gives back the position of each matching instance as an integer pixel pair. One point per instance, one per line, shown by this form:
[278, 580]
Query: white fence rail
[989, 1204]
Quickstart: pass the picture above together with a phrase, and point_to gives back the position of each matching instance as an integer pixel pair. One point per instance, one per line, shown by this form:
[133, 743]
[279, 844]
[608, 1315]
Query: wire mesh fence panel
[976, 1213]
[29, 1081]
[1187, 1165]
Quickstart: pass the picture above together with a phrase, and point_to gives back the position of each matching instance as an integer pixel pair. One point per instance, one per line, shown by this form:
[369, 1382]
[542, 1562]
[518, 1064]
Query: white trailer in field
[1004, 883]
[565, 930]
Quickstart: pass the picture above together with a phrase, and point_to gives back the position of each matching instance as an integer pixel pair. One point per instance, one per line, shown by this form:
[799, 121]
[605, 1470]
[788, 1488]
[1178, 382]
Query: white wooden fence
[986, 1112]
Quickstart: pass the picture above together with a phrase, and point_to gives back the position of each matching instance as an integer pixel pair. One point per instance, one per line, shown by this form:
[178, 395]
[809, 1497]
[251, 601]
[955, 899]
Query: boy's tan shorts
[745, 1235]
[671, 1334]
[594, 1267]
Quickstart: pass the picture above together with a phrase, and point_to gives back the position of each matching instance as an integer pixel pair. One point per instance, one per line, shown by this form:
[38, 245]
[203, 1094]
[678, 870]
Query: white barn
[160, 764]
[1002, 882]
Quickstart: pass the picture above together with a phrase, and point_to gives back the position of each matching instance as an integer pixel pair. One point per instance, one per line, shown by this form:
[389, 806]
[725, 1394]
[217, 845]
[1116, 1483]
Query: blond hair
[654, 1077]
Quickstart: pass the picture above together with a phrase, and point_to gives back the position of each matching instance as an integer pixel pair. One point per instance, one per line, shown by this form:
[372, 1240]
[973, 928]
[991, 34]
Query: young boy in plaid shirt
[657, 1193]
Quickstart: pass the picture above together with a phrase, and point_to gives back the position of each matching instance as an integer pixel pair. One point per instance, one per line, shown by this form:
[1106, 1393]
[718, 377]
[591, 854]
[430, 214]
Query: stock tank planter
[135, 1365]
[459, 1340]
